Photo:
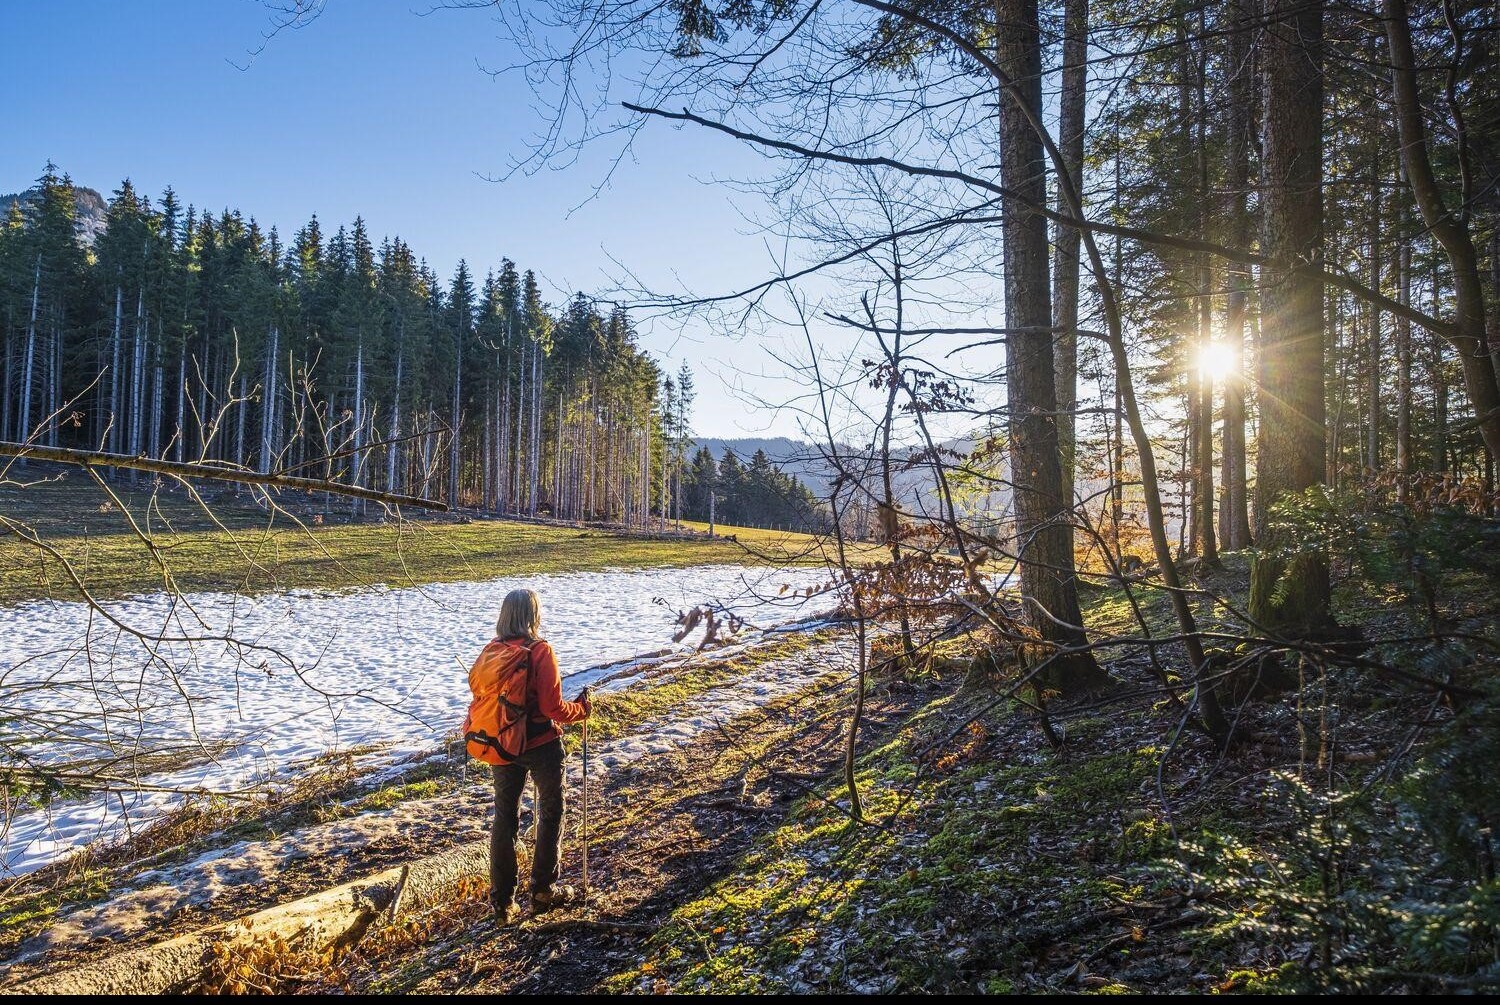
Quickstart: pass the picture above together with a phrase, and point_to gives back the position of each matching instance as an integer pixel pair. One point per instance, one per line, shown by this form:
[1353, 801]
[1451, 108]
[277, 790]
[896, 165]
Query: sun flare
[1216, 360]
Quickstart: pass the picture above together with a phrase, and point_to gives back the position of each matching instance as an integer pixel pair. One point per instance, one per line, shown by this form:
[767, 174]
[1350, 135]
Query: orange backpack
[495, 728]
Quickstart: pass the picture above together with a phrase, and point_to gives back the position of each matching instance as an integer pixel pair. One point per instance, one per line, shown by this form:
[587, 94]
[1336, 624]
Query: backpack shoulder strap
[531, 712]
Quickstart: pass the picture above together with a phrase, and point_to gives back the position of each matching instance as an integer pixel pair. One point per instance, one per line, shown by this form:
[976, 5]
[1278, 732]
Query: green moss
[964, 867]
[23, 915]
[1280, 980]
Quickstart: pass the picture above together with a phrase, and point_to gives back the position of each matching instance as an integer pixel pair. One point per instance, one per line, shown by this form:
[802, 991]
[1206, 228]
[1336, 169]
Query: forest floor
[223, 541]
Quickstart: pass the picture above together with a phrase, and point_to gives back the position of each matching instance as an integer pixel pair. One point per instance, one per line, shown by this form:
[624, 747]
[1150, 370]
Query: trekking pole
[585, 805]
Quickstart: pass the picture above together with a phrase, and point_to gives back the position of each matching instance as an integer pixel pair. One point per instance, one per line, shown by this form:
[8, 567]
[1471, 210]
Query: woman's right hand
[587, 703]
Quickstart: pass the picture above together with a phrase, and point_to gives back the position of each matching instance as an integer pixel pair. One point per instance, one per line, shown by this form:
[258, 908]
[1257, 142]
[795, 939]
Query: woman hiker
[514, 724]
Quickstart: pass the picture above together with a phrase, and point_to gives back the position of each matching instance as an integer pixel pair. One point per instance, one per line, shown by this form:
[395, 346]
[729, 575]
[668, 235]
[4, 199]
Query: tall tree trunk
[137, 376]
[5, 392]
[1290, 594]
[1234, 521]
[518, 481]
[536, 428]
[890, 509]
[1403, 373]
[1071, 111]
[268, 403]
[1203, 487]
[116, 419]
[1340, 361]
[1372, 337]
[557, 470]
[454, 443]
[180, 448]
[1117, 461]
[1044, 529]
[357, 463]
[153, 443]
[28, 366]
[491, 438]
[1468, 336]
[393, 449]
[54, 381]
[201, 365]
[241, 409]
[1438, 377]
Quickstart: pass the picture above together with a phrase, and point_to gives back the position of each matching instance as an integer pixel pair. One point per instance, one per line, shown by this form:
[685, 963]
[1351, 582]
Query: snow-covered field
[243, 689]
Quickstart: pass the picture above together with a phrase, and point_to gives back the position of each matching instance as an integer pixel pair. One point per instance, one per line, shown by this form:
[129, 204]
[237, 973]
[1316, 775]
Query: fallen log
[334, 919]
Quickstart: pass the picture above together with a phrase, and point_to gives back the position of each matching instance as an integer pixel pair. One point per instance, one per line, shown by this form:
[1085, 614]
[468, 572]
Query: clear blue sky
[376, 111]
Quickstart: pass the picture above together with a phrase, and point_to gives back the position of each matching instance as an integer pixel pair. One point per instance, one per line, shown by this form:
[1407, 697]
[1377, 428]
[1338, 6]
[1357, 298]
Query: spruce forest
[1109, 604]
[181, 335]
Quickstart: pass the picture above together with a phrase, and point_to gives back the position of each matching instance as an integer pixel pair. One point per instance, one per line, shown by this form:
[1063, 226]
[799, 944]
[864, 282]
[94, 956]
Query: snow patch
[241, 687]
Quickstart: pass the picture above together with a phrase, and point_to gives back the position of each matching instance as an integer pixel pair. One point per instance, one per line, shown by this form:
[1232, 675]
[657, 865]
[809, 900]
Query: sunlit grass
[250, 550]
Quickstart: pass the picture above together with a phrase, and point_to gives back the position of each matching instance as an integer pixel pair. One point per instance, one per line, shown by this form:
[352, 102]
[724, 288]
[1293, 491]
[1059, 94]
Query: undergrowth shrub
[1386, 886]
[1419, 549]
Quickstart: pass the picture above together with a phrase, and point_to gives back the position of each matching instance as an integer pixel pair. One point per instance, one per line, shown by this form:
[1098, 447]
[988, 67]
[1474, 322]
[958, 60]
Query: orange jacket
[545, 704]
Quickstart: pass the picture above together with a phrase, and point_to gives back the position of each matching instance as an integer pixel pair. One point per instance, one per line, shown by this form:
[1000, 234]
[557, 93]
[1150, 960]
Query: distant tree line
[186, 335]
[748, 495]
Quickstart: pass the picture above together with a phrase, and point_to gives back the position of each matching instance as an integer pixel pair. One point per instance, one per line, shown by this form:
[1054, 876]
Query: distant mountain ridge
[92, 209]
[793, 457]
[777, 448]
[913, 485]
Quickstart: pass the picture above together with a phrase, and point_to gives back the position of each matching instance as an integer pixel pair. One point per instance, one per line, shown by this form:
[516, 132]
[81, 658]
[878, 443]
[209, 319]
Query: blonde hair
[520, 616]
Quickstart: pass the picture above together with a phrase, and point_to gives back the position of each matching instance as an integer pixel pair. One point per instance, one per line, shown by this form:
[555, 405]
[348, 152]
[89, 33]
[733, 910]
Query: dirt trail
[663, 831]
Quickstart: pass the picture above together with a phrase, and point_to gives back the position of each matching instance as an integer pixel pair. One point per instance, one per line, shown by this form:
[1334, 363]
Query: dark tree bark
[1290, 595]
[1234, 517]
[1203, 480]
[1373, 415]
[1065, 274]
[1043, 526]
[1403, 373]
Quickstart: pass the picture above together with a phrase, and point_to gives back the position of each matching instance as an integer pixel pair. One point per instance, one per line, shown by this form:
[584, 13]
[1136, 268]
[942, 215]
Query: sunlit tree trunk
[454, 444]
[1043, 527]
[114, 417]
[518, 481]
[268, 401]
[54, 381]
[5, 391]
[28, 364]
[536, 428]
[153, 445]
[180, 447]
[357, 462]
[137, 375]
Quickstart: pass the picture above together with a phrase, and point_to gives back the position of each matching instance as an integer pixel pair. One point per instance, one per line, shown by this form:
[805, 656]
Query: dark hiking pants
[545, 763]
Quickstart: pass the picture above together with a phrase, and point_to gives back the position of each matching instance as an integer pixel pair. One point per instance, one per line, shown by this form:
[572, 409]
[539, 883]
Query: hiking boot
[507, 915]
[552, 896]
